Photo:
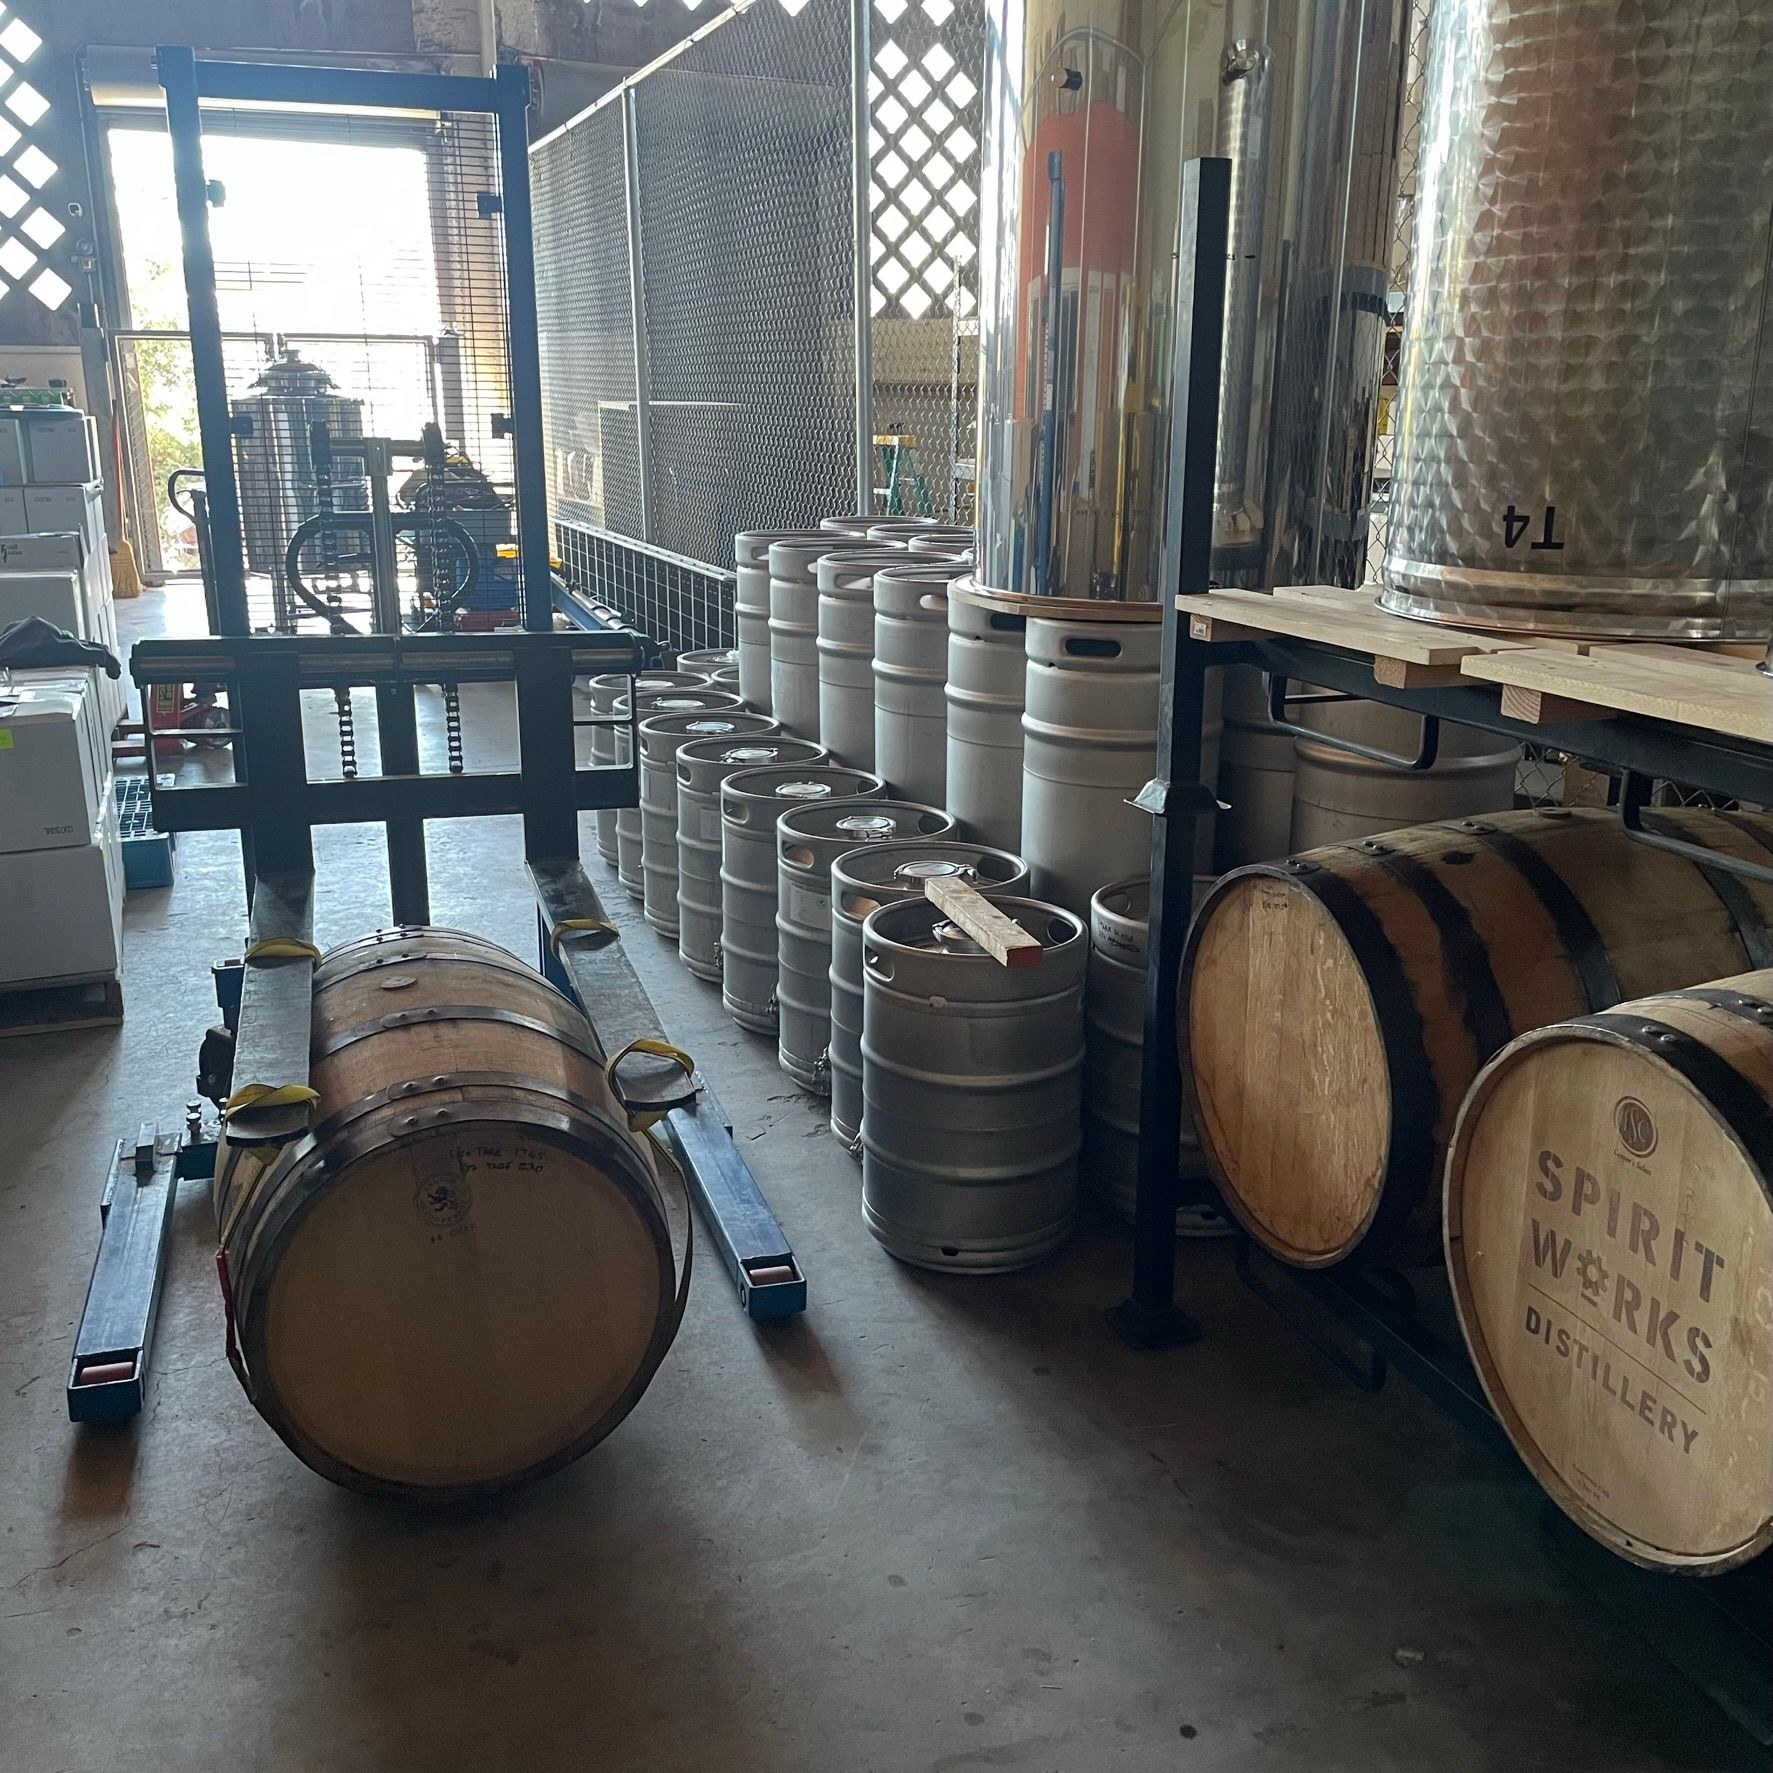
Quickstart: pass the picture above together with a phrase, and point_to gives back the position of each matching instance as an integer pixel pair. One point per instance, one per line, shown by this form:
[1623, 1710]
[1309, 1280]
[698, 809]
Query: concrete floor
[937, 1524]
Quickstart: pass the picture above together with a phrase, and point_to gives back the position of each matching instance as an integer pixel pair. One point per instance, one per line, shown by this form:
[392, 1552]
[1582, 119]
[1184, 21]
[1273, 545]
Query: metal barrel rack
[1370, 1321]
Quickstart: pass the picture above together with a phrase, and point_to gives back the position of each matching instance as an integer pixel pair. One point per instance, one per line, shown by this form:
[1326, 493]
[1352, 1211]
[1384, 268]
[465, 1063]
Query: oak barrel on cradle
[468, 1271]
[1609, 1240]
[1336, 1006]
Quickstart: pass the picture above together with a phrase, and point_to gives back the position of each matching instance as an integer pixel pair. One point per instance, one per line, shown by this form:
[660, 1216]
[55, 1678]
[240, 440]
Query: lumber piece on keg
[1001, 937]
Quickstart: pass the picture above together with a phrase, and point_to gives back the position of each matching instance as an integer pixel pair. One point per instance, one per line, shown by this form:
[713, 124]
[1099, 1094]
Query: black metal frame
[187, 79]
[1722, 1639]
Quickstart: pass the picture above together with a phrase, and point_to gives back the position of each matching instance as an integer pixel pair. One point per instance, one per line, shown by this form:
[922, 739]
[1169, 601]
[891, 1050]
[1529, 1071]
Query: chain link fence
[697, 244]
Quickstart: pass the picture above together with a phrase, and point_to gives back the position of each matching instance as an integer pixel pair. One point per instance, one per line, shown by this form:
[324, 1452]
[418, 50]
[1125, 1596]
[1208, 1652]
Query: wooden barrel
[468, 1271]
[1336, 1005]
[1610, 1244]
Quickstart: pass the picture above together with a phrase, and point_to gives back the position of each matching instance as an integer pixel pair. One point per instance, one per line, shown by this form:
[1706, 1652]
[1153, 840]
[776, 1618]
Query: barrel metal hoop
[1732, 893]
[336, 1042]
[1581, 941]
[1746, 1113]
[1465, 962]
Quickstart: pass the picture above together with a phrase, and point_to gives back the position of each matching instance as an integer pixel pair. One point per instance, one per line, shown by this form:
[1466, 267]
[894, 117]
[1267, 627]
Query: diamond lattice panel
[924, 92]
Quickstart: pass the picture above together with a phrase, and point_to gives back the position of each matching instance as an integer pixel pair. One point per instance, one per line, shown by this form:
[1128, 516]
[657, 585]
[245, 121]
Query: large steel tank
[1091, 108]
[274, 456]
[1586, 429]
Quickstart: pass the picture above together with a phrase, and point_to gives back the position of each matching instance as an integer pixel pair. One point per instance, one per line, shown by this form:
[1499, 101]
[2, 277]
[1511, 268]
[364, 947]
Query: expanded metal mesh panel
[743, 152]
[585, 314]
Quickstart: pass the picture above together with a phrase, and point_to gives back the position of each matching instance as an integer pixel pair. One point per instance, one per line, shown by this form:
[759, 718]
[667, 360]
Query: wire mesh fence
[696, 243]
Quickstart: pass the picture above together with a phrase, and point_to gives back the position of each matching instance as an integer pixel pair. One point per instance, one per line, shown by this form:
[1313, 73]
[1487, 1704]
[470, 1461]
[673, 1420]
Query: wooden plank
[1713, 692]
[1331, 621]
[995, 931]
[1542, 708]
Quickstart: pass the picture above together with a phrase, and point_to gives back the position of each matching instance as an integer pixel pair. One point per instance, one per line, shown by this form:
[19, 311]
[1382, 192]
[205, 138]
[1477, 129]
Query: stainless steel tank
[1091, 107]
[846, 650]
[971, 1085]
[750, 803]
[1089, 745]
[609, 741]
[1585, 439]
[794, 633]
[910, 670]
[1339, 795]
[985, 693]
[808, 840]
[662, 736]
[701, 698]
[274, 458]
[702, 765]
[861, 882]
[709, 660]
[751, 609]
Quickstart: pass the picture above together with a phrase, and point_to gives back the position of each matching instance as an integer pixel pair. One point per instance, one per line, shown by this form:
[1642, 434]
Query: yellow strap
[639, 1119]
[283, 948]
[572, 926]
[263, 1095]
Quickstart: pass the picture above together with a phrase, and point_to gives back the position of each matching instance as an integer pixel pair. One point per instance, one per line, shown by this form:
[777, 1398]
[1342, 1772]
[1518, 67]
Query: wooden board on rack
[1405, 654]
[1055, 609]
[1716, 692]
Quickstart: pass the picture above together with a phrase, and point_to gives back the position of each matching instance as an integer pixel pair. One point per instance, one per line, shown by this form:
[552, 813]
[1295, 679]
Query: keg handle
[1427, 747]
[1634, 795]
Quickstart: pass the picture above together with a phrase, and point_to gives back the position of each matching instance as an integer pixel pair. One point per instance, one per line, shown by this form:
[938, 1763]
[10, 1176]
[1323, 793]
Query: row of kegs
[879, 722]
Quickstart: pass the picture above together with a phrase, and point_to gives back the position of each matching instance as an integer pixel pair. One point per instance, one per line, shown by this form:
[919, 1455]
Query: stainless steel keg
[702, 765]
[808, 840]
[750, 803]
[987, 667]
[861, 882]
[727, 678]
[751, 610]
[910, 670]
[794, 634]
[1255, 776]
[949, 542]
[1089, 745]
[972, 1079]
[1114, 1041]
[1339, 795]
[662, 736]
[900, 529]
[629, 833]
[858, 527]
[609, 743]
[710, 660]
[846, 651]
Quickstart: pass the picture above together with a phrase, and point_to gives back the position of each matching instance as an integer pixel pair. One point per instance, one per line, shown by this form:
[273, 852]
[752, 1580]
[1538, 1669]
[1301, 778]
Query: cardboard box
[61, 910]
[58, 597]
[60, 446]
[12, 450]
[54, 762]
[52, 550]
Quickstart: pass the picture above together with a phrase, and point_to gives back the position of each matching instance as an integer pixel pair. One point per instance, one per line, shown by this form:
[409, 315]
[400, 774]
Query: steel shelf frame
[1718, 1632]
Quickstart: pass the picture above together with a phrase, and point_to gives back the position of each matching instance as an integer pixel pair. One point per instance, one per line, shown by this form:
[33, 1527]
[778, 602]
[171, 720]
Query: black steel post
[529, 460]
[1151, 1317]
[215, 426]
[546, 756]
